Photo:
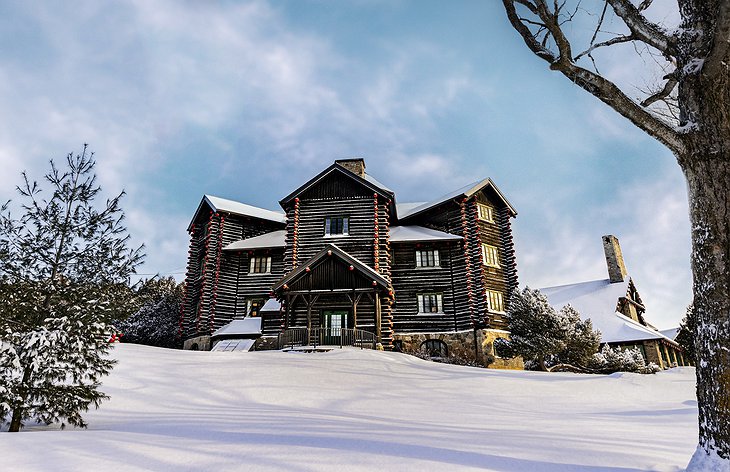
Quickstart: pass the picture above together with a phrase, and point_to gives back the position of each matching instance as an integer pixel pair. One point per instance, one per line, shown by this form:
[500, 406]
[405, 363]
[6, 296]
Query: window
[253, 306]
[428, 258]
[486, 213]
[430, 303]
[259, 265]
[496, 302]
[435, 349]
[490, 255]
[336, 225]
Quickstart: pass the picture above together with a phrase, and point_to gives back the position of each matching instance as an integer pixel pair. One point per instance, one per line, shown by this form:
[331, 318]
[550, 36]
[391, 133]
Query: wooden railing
[294, 337]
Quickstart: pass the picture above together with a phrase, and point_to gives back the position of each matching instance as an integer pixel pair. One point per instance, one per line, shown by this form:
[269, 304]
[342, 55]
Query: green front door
[333, 322]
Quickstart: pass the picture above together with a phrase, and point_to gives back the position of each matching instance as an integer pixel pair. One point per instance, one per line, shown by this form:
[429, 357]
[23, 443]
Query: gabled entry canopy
[331, 173]
[331, 270]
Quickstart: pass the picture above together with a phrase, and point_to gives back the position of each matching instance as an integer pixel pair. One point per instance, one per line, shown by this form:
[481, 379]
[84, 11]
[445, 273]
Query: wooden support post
[377, 320]
[354, 300]
[309, 319]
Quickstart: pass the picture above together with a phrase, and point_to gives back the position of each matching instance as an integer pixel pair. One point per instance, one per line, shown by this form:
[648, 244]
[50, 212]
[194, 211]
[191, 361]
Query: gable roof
[264, 241]
[366, 180]
[328, 251]
[401, 234]
[218, 204]
[597, 300]
[466, 191]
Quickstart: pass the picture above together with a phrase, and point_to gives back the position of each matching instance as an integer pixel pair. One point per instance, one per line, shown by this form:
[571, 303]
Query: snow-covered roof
[467, 190]
[375, 182]
[406, 207]
[272, 304]
[247, 326]
[238, 208]
[419, 233]
[233, 345]
[268, 240]
[597, 300]
[670, 333]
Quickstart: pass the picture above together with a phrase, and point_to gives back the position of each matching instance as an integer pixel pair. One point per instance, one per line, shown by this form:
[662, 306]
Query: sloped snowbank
[362, 410]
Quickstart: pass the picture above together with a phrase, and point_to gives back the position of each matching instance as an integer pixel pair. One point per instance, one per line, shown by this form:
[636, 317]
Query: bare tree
[689, 112]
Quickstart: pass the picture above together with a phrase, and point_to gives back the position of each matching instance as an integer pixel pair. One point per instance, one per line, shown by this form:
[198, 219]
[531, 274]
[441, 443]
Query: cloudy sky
[248, 99]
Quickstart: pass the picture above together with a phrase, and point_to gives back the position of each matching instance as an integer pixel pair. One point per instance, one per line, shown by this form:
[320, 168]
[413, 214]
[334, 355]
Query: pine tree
[156, 322]
[64, 267]
[550, 339]
[581, 342]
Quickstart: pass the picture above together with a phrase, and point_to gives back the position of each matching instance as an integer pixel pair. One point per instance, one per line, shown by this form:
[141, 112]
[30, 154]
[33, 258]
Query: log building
[343, 254]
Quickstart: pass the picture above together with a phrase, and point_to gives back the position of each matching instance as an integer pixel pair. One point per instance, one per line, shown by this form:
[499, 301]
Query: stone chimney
[356, 165]
[614, 259]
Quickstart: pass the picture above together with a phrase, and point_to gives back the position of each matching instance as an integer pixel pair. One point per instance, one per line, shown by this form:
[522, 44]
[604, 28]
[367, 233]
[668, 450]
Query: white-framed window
[336, 226]
[495, 300]
[486, 213]
[259, 265]
[430, 303]
[490, 255]
[428, 258]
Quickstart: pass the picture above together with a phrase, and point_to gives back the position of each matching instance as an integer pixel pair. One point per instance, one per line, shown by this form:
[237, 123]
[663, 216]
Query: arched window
[435, 349]
[194, 347]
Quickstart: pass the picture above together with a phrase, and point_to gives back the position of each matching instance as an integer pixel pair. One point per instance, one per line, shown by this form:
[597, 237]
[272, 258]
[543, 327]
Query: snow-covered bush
[610, 360]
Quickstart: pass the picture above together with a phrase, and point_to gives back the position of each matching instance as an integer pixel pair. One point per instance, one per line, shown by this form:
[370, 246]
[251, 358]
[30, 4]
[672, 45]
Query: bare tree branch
[643, 29]
[610, 42]
[664, 92]
[600, 87]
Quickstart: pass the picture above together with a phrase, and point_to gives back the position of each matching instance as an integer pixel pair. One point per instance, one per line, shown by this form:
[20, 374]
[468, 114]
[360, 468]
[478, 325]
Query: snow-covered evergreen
[156, 322]
[64, 266]
[51, 373]
[545, 337]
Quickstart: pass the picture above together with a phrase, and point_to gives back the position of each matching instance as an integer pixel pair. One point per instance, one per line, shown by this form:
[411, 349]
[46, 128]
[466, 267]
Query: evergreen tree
[685, 336]
[546, 338]
[581, 341]
[64, 267]
[156, 322]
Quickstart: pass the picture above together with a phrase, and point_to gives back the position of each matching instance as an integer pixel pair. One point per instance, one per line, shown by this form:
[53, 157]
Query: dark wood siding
[212, 290]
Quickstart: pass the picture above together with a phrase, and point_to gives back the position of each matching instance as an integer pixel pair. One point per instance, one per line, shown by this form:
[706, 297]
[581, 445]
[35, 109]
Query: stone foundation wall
[200, 343]
[266, 343]
[461, 345]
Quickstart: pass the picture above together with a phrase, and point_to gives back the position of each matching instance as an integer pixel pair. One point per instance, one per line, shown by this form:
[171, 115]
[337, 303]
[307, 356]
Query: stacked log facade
[218, 282]
[368, 216]
[214, 283]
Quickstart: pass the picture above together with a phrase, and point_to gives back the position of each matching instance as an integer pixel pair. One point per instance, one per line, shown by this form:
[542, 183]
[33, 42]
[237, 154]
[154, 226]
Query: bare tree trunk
[708, 182]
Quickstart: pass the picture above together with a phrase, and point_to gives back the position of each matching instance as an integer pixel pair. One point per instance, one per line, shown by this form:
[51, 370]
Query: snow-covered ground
[364, 410]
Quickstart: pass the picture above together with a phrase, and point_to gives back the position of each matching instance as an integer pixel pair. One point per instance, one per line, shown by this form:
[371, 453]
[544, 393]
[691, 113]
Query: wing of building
[615, 308]
[343, 255]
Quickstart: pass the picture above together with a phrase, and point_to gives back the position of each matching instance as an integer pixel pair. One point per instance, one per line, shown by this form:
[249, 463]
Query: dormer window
[336, 226]
[486, 213]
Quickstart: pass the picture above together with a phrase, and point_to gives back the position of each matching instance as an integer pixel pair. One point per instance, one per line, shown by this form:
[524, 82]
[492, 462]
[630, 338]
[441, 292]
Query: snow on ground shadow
[361, 410]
